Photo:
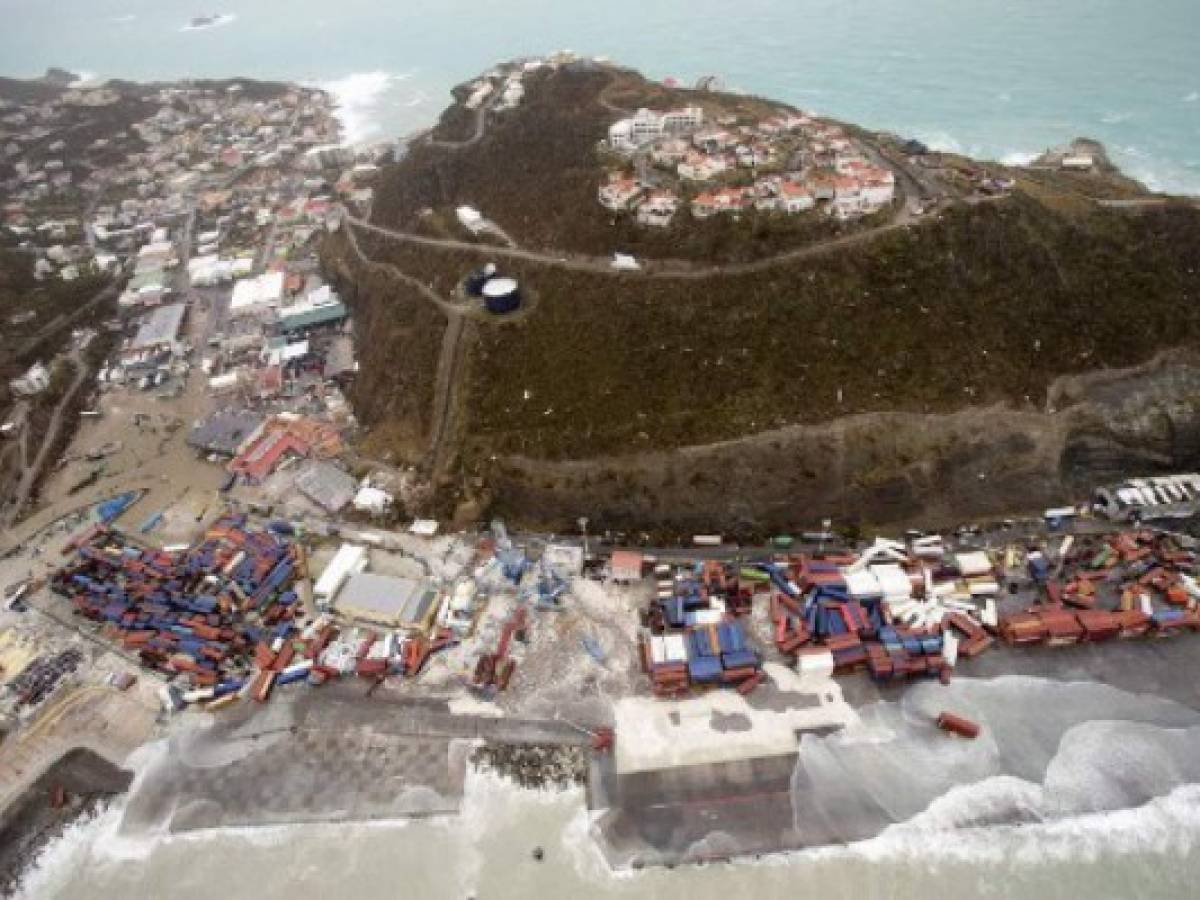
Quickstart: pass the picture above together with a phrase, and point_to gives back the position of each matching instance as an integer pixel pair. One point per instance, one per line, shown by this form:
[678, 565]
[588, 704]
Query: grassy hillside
[537, 170]
[578, 404]
[399, 336]
[26, 341]
[989, 303]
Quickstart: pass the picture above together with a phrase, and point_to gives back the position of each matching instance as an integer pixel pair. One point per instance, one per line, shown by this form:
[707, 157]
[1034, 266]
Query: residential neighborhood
[790, 163]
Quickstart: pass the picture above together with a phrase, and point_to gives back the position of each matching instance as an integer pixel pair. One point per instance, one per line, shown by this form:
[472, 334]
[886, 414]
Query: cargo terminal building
[387, 601]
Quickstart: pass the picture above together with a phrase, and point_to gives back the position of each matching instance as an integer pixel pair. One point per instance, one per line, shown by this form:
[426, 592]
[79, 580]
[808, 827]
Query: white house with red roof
[670, 152]
[847, 197]
[795, 198]
[722, 200]
[658, 208]
[699, 167]
[618, 192]
[877, 187]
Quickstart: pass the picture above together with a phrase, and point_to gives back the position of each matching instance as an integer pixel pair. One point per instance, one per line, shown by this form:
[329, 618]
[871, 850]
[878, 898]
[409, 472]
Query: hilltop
[980, 289]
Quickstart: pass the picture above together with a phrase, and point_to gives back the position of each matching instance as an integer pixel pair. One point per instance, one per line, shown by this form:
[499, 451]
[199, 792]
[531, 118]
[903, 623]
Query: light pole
[583, 524]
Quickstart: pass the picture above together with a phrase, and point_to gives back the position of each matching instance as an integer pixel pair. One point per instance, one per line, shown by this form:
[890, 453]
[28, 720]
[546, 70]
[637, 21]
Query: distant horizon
[992, 80]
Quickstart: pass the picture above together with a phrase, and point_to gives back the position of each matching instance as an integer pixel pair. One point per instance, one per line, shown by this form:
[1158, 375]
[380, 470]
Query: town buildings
[786, 164]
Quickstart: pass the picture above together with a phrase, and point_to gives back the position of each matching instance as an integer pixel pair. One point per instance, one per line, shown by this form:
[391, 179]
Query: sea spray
[358, 98]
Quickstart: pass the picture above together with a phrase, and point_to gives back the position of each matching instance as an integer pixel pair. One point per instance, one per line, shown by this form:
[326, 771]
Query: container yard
[898, 611]
[229, 615]
[223, 618]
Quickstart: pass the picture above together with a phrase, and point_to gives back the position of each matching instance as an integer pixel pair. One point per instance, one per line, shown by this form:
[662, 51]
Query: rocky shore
[75, 787]
[533, 765]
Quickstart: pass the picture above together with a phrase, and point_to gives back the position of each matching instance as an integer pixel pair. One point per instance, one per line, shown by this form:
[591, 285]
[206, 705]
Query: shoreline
[31, 823]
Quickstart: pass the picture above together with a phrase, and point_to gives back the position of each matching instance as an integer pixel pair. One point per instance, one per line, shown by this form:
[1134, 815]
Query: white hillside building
[646, 126]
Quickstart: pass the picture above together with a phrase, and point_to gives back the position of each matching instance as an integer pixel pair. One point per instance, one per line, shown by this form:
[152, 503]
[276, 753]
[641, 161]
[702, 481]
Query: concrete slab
[722, 726]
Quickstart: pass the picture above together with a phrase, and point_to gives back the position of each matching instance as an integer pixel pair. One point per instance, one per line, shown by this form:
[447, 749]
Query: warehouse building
[225, 431]
[253, 296]
[349, 559]
[160, 329]
[388, 601]
[322, 307]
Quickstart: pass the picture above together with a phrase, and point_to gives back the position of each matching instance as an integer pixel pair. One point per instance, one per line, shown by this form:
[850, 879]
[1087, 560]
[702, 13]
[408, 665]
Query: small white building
[35, 380]
[658, 209]
[256, 295]
[350, 559]
[470, 219]
[618, 192]
[372, 500]
[794, 198]
[699, 167]
[626, 566]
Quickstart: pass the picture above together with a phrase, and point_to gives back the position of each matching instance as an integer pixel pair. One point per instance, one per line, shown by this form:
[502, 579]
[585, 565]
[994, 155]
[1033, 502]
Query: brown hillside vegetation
[989, 303]
[393, 391]
[537, 170]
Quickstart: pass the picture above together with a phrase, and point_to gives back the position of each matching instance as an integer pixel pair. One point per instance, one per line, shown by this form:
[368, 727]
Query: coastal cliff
[1000, 353]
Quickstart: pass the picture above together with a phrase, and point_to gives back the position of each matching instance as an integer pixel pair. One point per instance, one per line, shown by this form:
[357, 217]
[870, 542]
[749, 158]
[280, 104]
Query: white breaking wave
[941, 142]
[1192, 97]
[125, 19]
[61, 859]
[1115, 118]
[1169, 824]
[358, 98]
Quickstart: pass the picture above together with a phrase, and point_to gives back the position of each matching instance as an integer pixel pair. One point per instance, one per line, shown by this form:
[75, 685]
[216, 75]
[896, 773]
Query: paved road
[650, 269]
[477, 134]
[30, 475]
[449, 360]
[1144, 202]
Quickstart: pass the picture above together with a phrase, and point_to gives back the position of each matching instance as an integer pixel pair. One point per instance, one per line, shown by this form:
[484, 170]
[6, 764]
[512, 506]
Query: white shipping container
[950, 647]
[675, 648]
[658, 651]
[814, 666]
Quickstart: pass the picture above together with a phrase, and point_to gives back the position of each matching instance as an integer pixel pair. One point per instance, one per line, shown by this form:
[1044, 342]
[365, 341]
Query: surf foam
[358, 98]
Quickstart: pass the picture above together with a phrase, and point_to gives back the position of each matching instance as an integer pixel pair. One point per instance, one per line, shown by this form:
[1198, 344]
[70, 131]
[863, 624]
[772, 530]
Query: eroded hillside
[983, 305]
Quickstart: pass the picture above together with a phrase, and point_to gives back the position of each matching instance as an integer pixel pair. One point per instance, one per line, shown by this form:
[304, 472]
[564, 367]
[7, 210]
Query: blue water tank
[501, 295]
[474, 282]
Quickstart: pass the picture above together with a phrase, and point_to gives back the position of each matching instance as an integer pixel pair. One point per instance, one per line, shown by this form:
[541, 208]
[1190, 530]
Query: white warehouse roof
[253, 293]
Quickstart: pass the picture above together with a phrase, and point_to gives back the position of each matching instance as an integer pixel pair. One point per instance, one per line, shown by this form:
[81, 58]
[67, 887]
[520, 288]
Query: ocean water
[995, 78]
[1105, 786]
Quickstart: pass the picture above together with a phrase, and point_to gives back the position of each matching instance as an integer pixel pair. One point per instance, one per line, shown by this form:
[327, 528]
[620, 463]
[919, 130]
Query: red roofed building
[626, 565]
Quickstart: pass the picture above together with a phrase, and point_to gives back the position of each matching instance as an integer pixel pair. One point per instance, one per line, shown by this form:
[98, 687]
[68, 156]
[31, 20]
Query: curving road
[30, 475]
[476, 136]
[655, 270]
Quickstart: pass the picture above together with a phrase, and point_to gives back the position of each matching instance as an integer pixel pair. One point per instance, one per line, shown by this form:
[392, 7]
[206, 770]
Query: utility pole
[583, 524]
